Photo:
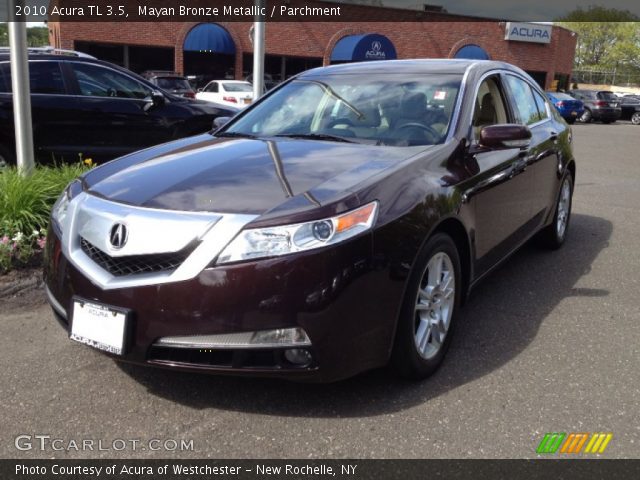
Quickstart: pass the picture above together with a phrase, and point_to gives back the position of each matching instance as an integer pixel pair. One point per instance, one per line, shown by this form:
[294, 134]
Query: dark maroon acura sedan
[335, 225]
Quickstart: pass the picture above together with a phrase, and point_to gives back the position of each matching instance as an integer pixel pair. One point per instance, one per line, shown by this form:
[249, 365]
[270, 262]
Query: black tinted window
[98, 81]
[5, 78]
[46, 77]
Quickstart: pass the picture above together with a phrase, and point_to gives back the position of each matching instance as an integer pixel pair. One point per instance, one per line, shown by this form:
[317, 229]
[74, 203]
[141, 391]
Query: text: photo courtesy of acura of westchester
[334, 226]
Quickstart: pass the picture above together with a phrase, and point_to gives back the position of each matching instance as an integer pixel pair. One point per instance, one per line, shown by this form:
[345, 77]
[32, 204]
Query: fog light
[298, 357]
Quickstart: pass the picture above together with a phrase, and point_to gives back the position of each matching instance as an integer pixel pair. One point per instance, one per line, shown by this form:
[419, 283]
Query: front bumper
[347, 307]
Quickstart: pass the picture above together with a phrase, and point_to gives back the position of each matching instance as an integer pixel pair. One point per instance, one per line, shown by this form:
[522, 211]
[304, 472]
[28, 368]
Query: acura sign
[528, 32]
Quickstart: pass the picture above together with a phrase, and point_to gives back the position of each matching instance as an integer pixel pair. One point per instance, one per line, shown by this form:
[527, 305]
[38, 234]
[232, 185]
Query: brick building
[224, 50]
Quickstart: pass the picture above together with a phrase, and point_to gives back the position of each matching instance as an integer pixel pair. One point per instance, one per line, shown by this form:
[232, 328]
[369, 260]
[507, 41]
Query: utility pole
[258, 50]
[19, 55]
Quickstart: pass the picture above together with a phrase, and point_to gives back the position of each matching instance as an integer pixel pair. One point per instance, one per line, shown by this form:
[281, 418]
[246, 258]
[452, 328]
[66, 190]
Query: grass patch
[25, 206]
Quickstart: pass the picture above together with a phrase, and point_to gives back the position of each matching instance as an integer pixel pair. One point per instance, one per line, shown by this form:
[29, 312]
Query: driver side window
[489, 106]
[97, 81]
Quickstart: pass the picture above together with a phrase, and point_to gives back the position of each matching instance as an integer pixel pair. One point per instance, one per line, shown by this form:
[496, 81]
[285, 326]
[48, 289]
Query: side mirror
[155, 100]
[220, 122]
[507, 135]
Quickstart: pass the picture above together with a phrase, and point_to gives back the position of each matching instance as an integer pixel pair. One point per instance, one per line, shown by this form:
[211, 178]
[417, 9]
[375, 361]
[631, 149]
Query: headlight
[59, 211]
[276, 241]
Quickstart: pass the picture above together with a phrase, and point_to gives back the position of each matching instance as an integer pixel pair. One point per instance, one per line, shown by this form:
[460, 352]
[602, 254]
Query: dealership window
[95, 81]
[135, 58]
[278, 68]
[525, 102]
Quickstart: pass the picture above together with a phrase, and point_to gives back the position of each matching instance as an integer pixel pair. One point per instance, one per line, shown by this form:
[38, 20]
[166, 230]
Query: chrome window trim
[213, 231]
[454, 126]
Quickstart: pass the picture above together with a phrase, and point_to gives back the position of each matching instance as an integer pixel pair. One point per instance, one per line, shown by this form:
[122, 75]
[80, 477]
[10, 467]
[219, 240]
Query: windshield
[381, 109]
[237, 87]
[173, 83]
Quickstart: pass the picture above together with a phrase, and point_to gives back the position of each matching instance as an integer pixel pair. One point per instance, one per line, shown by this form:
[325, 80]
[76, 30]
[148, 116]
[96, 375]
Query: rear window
[237, 87]
[173, 83]
[610, 96]
[562, 96]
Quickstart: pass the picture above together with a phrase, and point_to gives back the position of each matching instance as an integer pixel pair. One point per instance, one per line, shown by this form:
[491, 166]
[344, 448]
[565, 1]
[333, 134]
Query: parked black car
[630, 105]
[170, 82]
[81, 105]
[600, 105]
[335, 225]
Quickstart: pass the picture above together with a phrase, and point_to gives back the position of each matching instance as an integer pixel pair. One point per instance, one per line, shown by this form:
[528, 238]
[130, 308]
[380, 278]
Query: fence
[602, 77]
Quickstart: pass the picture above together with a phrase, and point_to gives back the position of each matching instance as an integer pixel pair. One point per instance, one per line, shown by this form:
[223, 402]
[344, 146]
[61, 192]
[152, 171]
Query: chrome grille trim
[152, 231]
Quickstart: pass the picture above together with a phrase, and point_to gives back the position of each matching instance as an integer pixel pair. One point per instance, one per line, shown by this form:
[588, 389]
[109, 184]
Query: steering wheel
[112, 92]
[433, 133]
[340, 121]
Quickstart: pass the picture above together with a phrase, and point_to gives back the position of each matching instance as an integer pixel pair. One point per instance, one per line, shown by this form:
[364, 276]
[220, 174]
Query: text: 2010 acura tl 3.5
[335, 225]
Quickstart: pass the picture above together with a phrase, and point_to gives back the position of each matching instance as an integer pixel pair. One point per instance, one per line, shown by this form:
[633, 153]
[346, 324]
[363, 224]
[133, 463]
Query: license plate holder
[100, 326]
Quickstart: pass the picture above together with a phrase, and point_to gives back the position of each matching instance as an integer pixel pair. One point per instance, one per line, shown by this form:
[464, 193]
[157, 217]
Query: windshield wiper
[317, 136]
[235, 135]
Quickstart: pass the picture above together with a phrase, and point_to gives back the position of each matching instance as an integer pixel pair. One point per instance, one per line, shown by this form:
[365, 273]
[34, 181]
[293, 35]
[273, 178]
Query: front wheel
[554, 235]
[635, 118]
[429, 309]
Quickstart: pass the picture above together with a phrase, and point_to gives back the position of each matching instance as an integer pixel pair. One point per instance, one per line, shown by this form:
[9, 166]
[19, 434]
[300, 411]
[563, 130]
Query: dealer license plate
[100, 326]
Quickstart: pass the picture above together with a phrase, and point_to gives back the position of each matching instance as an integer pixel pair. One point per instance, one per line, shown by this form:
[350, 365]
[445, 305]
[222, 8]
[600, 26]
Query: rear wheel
[586, 116]
[554, 235]
[635, 118]
[571, 120]
[429, 310]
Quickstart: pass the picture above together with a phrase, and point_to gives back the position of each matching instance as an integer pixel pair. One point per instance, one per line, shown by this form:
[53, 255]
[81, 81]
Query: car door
[500, 189]
[116, 112]
[211, 93]
[53, 114]
[541, 157]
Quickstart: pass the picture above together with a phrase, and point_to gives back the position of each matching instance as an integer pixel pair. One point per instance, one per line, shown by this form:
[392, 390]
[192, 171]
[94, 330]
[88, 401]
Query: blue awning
[472, 52]
[357, 48]
[209, 37]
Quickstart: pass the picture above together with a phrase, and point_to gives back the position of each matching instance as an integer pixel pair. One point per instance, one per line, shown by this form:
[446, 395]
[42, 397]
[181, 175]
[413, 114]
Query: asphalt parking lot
[549, 343]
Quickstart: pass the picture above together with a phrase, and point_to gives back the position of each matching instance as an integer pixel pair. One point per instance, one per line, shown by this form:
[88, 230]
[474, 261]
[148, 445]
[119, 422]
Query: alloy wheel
[564, 203]
[635, 119]
[434, 305]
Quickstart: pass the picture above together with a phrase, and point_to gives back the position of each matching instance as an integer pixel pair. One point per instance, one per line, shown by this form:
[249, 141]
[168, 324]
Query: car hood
[248, 176]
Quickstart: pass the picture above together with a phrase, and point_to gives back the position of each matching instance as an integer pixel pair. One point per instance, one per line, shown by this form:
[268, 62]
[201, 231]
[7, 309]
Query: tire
[429, 310]
[6, 157]
[571, 120]
[554, 235]
[586, 116]
[635, 118]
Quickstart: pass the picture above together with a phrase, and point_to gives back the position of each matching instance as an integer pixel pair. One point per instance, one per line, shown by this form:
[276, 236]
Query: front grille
[135, 264]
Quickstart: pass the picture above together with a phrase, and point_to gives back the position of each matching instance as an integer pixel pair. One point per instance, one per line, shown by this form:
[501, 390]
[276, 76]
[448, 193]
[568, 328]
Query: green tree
[36, 36]
[607, 38]
[4, 35]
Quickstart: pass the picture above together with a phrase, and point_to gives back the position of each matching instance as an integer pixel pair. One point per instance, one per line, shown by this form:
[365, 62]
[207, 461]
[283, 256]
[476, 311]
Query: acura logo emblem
[376, 46]
[118, 235]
